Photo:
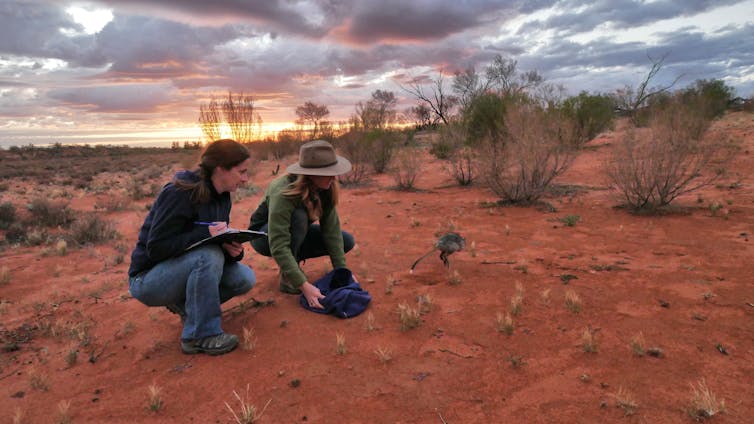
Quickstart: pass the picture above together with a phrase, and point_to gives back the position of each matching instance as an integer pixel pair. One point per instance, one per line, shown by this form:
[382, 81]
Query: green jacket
[276, 210]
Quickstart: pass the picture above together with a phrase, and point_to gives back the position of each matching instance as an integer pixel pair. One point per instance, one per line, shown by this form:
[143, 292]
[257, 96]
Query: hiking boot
[212, 345]
[286, 286]
[178, 311]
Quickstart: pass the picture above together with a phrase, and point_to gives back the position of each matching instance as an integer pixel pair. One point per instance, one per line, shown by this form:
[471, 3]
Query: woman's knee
[348, 242]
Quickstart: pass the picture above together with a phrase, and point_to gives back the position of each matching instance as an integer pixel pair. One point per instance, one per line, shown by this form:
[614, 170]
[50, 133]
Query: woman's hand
[233, 248]
[217, 228]
[312, 295]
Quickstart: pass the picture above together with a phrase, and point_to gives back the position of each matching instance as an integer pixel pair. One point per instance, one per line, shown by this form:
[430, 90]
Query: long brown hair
[303, 188]
[225, 153]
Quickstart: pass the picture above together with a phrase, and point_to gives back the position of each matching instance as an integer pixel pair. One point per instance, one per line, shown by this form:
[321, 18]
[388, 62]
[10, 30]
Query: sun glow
[93, 20]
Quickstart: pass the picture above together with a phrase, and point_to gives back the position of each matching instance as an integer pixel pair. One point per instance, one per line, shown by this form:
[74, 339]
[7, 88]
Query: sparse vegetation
[407, 168]
[64, 408]
[90, 228]
[247, 413]
[409, 317]
[638, 345]
[504, 323]
[370, 324]
[385, 355]
[588, 341]
[249, 339]
[572, 301]
[626, 401]
[704, 403]
[155, 397]
[340, 344]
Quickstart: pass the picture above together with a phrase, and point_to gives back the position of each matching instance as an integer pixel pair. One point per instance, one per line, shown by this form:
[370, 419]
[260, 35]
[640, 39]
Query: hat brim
[342, 166]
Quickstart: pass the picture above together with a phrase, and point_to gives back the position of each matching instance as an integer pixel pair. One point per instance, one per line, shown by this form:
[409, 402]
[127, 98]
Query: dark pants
[306, 238]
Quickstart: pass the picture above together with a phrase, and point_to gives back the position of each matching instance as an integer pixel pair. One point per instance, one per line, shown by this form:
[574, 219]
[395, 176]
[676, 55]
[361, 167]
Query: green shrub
[7, 214]
[592, 114]
[381, 144]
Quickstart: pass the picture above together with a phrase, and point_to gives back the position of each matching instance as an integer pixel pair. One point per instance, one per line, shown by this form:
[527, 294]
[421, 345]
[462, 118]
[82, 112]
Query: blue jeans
[197, 281]
[306, 238]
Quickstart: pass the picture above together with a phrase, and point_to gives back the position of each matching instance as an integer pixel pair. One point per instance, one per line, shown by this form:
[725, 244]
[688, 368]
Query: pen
[204, 223]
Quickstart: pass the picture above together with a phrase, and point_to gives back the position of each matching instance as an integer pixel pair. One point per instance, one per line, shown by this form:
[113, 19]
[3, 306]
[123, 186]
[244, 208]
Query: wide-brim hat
[318, 158]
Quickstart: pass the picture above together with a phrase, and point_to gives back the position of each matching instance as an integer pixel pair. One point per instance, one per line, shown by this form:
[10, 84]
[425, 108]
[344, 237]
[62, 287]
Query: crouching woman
[193, 283]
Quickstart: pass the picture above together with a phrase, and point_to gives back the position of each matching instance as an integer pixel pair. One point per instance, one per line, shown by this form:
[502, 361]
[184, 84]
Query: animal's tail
[420, 258]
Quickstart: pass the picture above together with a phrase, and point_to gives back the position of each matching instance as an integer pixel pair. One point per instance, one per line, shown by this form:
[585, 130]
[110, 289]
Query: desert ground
[665, 304]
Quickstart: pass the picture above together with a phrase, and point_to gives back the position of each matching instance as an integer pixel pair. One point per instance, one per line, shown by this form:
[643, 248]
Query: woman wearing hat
[291, 205]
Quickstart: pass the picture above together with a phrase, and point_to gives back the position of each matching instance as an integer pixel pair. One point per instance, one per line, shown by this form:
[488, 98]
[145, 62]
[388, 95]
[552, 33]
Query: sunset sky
[136, 71]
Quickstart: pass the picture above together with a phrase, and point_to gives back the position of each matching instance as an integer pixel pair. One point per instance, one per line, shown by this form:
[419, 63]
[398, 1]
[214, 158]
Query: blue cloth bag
[344, 298]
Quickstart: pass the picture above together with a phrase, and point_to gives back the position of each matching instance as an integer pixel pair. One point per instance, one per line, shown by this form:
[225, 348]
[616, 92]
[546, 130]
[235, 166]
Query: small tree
[210, 120]
[629, 101]
[313, 114]
[591, 113]
[240, 115]
[437, 99]
[377, 113]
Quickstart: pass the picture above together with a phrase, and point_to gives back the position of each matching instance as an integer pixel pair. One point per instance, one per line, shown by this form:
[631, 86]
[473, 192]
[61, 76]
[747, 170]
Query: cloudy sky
[136, 71]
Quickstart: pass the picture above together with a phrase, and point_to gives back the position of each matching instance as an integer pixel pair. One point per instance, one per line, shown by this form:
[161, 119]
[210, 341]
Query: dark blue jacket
[169, 227]
[344, 298]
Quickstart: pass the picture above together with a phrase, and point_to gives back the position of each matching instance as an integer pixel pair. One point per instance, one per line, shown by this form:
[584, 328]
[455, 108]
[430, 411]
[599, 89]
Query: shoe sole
[192, 350]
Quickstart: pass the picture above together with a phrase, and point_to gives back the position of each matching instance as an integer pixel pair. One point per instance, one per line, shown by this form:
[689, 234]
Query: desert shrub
[452, 146]
[112, 203]
[16, 233]
[592, 114]
[484, 118]
[713, 96]
[407, 167]
[381, 145]
[50, 214]
[286, 145]
[520, 166]
[351, 145]
[463, 165]
[7, 214]
[140, 188]
[90, 228]
[651, 167]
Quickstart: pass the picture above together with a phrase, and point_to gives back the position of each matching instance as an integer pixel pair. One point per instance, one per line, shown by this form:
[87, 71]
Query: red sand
[455, 367]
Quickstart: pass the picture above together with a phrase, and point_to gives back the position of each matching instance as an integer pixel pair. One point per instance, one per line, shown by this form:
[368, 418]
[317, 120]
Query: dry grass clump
[638, 345]
[544, 296]
[5, 275]
[38, 380]
[385, 355]
[424, 303]
[64, 417]
[370, 324]
[454, 278]
[249, 340]
[626, 401]
[504, 323]
[340, 344]
[247, 413]
[588, 341]
[704, 403]
[155, 397]
[409, 317]
[572, 301]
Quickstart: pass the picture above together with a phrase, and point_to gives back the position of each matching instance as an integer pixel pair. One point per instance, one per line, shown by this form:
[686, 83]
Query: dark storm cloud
[143, 47]
[690, 54]
[619, 14]
[119, 98]
[290, 17]
[34, 30]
